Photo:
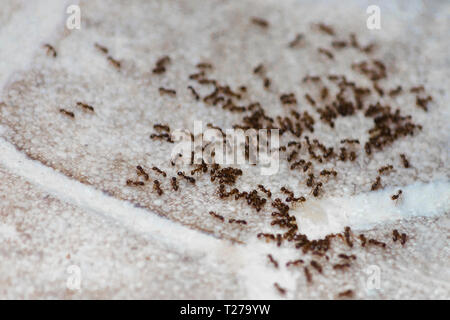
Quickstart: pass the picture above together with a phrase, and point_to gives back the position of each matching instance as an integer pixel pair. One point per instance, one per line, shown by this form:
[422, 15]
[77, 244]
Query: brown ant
[132, 183]
[159, 171]
[363, 240]
[346, 294]
[272, 260]
[397, 196]
[114, 62]
[326, 53]
[174, 183]
[308, 274]
[141, 172]
[377, 243]
[237, 221]
[85, 106]
[317, 189]
[260, 22]
[157, 187]
[266, 191]
[50, 50]
[350, 141]
[310, 99]
[190, 179]
[404, 161]
[377, 184]
[204, 65]
[395, 91]
[316, 266]
[160, 127]
[170, 92]
[326, 29]
[346, 257]
[161, 65]
[294, 263]
[296, 42]
[385, 169]
[67, 113]
[217, 216]
[281, 290]
[341, 266]
[194, 93]
[101, 48]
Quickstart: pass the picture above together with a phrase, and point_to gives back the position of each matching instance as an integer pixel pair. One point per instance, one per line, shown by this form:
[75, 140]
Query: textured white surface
[53, 215]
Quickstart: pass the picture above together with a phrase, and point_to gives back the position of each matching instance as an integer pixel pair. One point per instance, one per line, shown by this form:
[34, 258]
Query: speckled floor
[65, 204]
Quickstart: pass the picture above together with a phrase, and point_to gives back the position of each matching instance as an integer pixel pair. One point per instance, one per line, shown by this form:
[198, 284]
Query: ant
[157, 187]
[280, 289]
[317, 189]
[50, 50]
[260, 22]
[266, 191]
[190, 179]
[316, 266]
[310, 99]
[204, 65]
[237, 221]
[67, 113]
[385, 169]
[377, 184]
[101, 48]
[404, 161]
[174, 183]
[326, 29]
[326, 52]
[159, 171]
[114, 62]
[85, 106]
[272, 260]
[217, 216]
[341, 266]
[297, 40]
[132, 183]
[377, 243]
[170, 92]
[363, 240]
[346, 294]
[161, 127]
[397, 196]
[308, 275]
[350, 141]
[141, 171]
[346, 257]
[161, 65]
[294, 263]
[194, 93]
